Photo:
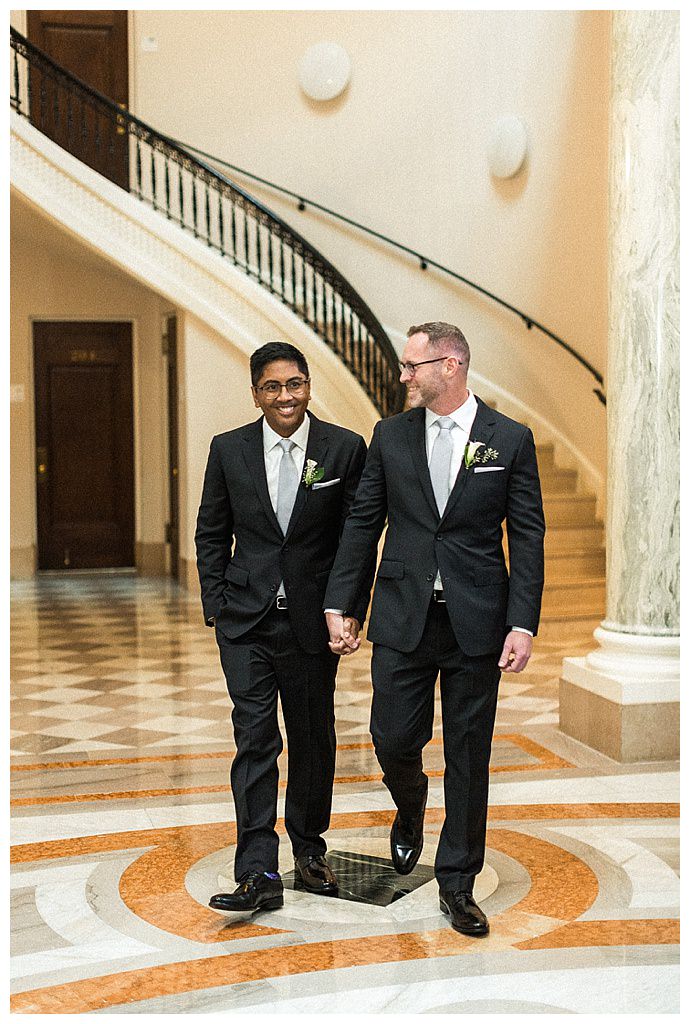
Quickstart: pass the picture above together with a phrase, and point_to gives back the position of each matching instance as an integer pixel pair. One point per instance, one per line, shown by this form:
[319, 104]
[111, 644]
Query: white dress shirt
[460, 434]
[273, 453]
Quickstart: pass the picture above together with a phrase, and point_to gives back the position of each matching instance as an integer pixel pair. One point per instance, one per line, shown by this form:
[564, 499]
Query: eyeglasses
[411, 368]
[272, 388]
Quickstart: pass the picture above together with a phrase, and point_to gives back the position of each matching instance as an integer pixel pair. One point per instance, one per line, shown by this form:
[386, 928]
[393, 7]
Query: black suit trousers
[402, 720]
[263, 664]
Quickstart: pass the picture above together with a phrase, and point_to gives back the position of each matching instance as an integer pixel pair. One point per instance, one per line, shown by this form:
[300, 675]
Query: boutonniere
[312, 473]
[473, 457]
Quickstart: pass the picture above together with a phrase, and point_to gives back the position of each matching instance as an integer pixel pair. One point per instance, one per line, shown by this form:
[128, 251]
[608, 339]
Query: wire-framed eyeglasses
[411, 368]
[272, 388]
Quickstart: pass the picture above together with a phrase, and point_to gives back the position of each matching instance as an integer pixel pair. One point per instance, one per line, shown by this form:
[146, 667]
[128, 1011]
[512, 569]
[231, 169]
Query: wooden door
[93, 46]
[173, 531]
[84, 445]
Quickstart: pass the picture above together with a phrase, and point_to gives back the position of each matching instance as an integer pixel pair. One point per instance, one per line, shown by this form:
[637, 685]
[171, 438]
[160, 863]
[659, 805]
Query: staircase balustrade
[202, 201]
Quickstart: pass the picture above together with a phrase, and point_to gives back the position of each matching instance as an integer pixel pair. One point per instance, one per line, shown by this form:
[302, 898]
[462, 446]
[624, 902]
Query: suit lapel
[482, 430]
[416, 435]
[317, 446]
[253, 452]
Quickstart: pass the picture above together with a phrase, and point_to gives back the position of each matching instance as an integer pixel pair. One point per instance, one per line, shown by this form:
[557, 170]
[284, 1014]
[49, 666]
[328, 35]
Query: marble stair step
[563, 565]
[569, 509]
[558, 481]
[545, 457]
[567, 537]
[576, 597]
[568, 628]
[569, 547]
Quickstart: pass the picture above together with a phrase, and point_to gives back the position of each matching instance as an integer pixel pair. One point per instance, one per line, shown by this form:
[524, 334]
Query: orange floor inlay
[153, 887]
[545, 756]
[656, 931]
[563, 886]
[56, 848]
[233, 968]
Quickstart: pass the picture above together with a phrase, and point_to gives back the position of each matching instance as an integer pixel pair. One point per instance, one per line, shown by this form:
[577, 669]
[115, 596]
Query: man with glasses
[276, 494]
[446, 474]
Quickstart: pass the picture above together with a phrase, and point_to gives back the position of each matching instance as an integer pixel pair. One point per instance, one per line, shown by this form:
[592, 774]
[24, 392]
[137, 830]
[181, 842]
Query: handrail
[424, 261]
[216, 210]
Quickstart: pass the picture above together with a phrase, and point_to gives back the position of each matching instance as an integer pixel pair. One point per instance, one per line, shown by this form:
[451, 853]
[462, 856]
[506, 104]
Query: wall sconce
[507, 147]
[324, 71]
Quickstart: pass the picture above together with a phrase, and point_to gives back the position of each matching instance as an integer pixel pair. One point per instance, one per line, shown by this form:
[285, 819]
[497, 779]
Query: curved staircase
[178, 210]
[575, 566]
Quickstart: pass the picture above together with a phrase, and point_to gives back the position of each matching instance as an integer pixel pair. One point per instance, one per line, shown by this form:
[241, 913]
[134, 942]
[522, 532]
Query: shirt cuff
[333, 611]
[521, 629]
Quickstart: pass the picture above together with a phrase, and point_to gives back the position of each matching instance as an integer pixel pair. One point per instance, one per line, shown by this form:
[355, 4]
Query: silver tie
[288, 482]
[439, 466]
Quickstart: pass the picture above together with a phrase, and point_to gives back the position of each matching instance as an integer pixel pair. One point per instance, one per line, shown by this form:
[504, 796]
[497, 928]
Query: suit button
[439, 536]
[273, 589]
[430, 577]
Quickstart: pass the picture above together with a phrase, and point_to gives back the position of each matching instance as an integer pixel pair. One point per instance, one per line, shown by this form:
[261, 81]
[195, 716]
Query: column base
[624, 698]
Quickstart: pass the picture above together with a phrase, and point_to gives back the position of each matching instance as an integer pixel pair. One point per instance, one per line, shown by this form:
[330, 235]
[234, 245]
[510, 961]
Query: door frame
[172, 441]
[136, 417]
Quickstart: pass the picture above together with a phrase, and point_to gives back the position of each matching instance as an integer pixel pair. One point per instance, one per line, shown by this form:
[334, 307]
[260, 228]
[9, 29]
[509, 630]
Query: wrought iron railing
[211, 207]
[425, 262]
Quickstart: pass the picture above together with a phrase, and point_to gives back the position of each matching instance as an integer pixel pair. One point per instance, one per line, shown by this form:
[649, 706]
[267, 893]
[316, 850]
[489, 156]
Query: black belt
[439, 597]
[281, 603]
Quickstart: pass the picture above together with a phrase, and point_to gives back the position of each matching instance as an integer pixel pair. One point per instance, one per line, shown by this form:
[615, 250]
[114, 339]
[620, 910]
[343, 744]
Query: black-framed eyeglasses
[272, 388]
[411, 368]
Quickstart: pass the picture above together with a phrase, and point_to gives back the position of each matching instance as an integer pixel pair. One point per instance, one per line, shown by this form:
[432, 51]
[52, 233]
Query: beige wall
[404, 150]
[53, 277]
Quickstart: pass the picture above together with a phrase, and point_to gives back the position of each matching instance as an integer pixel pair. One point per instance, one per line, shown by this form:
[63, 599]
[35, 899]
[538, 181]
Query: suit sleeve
[349, 584]
[354, 474]
[214, 535]
[525, 528]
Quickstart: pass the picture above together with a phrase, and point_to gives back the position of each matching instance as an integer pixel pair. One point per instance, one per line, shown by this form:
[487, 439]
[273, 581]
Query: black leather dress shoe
[465, 915]
[256, 891]
[315, 875]
[407, 840]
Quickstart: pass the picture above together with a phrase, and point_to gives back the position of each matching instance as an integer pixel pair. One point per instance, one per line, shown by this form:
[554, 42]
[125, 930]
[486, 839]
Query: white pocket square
[326, 483]
[489, 469]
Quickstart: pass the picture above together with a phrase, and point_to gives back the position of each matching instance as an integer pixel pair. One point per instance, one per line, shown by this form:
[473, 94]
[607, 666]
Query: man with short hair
[276, 494]
[446, 474]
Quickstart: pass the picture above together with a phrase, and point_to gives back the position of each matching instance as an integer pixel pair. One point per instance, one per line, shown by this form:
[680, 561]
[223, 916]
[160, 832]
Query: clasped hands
[344, 633]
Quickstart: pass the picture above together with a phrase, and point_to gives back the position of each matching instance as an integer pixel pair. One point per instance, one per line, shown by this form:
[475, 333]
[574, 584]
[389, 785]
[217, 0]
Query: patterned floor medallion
[123, 827]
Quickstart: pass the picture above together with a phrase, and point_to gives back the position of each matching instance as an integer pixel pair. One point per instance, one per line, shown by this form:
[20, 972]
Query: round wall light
[324, 71]
[507, 147]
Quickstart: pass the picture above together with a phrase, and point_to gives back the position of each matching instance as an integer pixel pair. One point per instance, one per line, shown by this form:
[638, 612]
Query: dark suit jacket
[465, 544]
[242, 554]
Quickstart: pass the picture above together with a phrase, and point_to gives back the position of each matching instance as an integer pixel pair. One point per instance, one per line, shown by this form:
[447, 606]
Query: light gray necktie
[288, 482]
[439, 466]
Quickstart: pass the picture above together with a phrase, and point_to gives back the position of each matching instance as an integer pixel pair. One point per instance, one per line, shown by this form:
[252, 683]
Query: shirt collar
[463, 416]
[300, 436]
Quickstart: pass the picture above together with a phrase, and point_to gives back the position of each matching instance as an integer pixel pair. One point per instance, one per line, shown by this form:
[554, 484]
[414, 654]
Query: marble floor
[123, 827]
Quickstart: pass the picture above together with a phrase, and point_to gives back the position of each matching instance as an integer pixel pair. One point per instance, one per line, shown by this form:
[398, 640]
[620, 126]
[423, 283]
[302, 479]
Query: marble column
[622, 699]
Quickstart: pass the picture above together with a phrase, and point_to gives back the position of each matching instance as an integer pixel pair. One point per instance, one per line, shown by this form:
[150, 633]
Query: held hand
[351, 632]
[343, 632]
[516, 652]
